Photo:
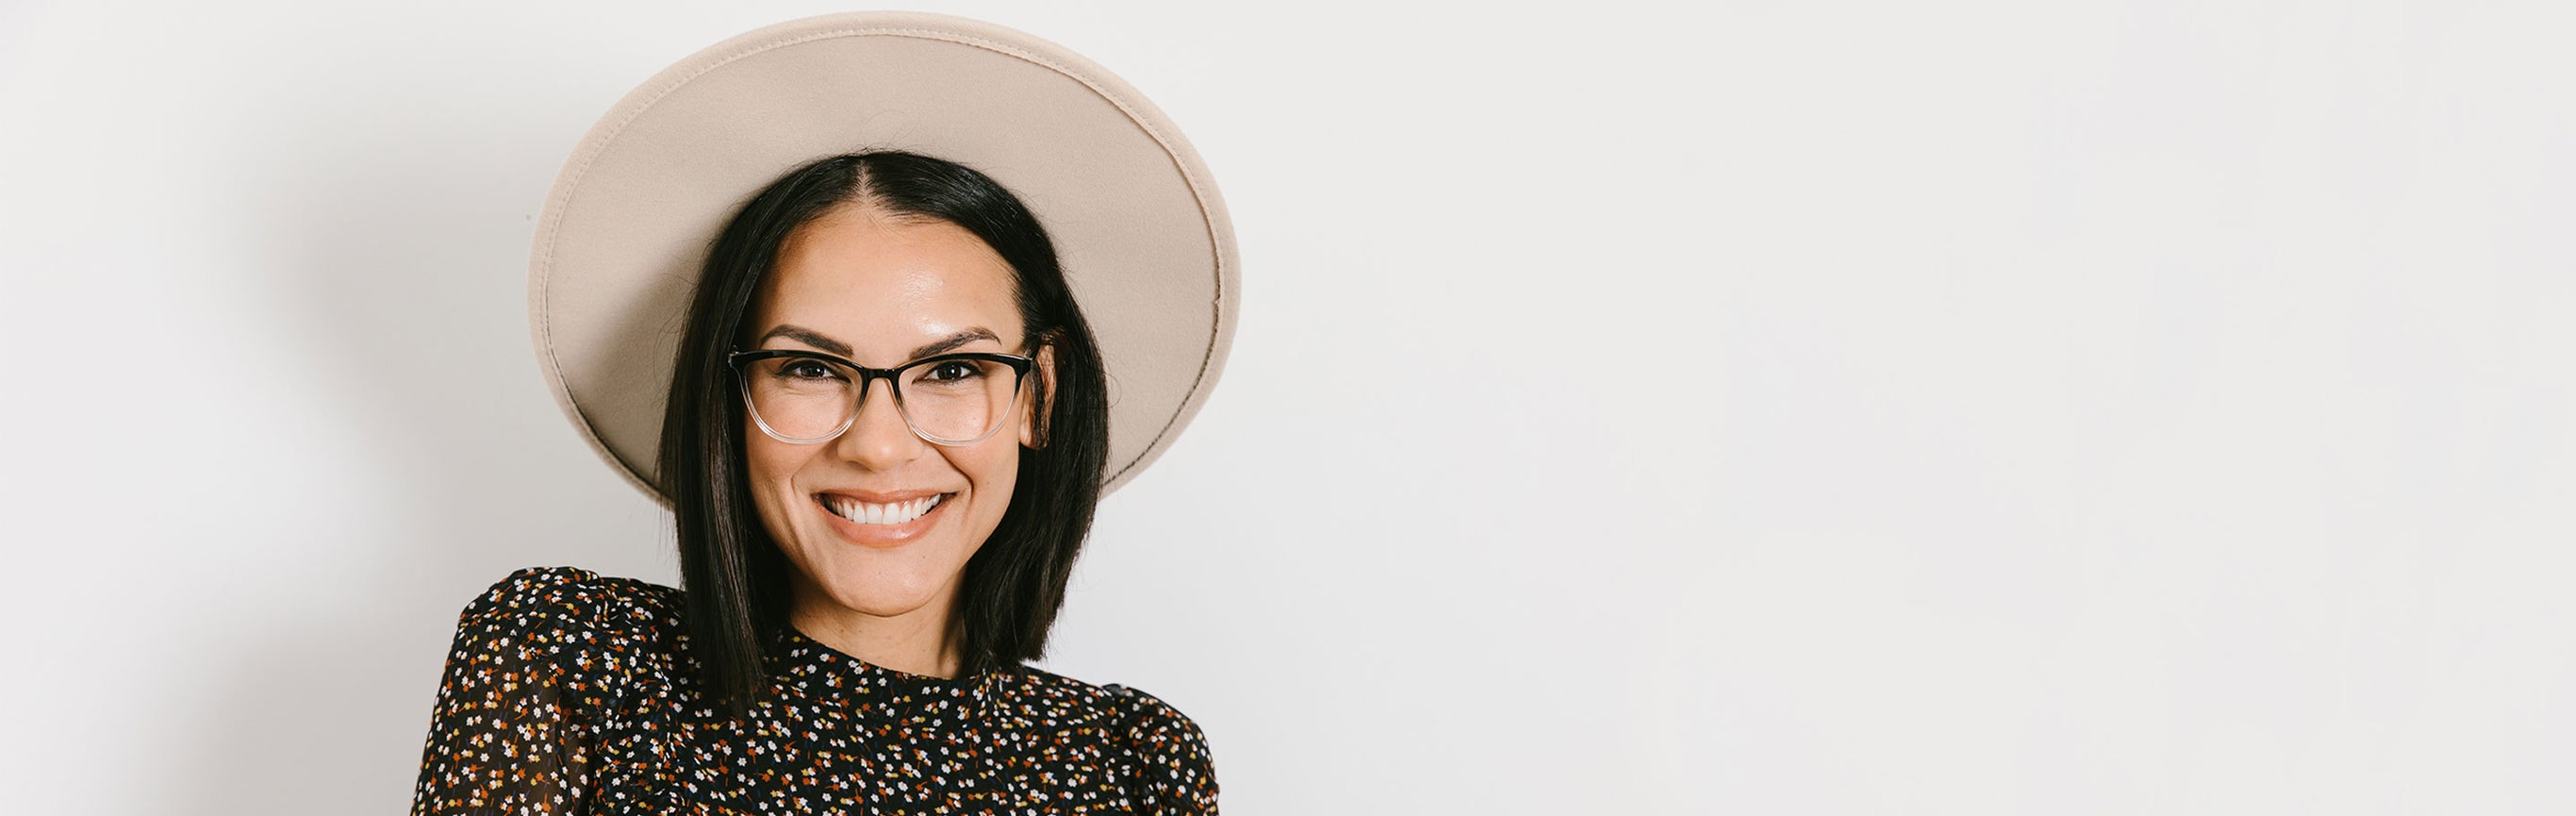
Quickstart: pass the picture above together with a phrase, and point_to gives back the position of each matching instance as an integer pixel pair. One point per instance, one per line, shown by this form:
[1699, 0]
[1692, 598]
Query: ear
[1040, 406]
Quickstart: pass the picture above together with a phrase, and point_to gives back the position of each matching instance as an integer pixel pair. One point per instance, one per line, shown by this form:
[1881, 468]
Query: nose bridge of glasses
[865, 382]
[862, 428]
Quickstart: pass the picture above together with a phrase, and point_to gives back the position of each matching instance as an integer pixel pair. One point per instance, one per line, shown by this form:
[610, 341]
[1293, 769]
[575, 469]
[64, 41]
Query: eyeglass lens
[951, 400]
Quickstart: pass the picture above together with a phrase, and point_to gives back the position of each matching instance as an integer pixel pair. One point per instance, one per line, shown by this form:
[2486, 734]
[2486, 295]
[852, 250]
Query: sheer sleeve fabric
[520, 701]
[1173, 773]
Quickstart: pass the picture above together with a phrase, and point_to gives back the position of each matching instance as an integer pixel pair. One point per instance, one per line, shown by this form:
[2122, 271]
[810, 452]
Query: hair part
[737, 579]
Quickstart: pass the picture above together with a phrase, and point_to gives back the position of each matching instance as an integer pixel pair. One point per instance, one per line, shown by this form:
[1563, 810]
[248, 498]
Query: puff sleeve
[1172, 773]
[520, 701]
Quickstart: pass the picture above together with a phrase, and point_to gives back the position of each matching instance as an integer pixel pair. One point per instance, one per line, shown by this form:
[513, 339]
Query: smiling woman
[886, 427]
[867, 256]
[920, 559]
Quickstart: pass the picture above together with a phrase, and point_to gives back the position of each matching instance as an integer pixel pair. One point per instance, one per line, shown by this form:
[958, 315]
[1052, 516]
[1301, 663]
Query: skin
[885, 287]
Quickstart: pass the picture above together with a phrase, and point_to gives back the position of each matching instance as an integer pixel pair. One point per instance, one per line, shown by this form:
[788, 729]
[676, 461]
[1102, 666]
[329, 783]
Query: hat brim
[1137, 223]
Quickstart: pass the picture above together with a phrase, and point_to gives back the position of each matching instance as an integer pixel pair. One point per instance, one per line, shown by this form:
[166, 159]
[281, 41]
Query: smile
[882, 514]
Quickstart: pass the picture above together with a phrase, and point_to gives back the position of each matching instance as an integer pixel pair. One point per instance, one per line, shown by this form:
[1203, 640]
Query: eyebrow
[816, 339]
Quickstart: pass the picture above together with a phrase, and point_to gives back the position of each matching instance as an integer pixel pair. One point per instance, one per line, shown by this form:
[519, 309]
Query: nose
[878, 439]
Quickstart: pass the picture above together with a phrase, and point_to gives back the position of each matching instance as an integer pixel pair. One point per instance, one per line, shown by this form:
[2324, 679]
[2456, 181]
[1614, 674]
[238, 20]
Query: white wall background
[1773, 408]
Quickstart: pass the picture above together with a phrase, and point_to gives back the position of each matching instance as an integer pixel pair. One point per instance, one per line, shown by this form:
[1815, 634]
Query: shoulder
[1053, 696]
[564, 604]
[1169, 757]
[572, 595]
[544, 662]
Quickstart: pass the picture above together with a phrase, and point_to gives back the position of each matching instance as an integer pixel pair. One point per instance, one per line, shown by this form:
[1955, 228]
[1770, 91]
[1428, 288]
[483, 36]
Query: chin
[883, 602]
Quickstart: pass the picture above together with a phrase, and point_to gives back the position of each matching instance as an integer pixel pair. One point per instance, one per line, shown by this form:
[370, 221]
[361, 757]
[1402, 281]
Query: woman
[887, 425]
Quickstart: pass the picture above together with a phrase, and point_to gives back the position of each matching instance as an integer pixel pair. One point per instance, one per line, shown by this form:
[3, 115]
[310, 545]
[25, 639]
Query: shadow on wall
[409, 215]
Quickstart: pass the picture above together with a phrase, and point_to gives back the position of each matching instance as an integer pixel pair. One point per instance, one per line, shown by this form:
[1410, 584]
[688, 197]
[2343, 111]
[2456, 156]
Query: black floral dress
[568, 692]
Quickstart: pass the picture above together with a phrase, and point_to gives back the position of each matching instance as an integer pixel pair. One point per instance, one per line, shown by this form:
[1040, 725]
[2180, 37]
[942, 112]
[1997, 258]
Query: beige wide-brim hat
[1136, 221]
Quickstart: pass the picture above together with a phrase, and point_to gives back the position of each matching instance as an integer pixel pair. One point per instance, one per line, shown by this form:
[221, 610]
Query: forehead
[885, 285]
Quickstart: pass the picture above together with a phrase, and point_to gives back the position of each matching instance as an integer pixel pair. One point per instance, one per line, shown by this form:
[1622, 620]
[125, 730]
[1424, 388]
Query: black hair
[737, 579]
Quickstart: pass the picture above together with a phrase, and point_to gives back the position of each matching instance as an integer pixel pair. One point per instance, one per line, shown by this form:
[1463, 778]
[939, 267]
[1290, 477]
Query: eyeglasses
[808, 398]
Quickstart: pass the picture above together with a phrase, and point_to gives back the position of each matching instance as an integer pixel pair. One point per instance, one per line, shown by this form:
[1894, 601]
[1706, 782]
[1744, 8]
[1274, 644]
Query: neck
[913, 642]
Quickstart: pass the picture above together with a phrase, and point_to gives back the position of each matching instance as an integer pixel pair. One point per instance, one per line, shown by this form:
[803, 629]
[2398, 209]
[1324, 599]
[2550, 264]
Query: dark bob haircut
[736, 576]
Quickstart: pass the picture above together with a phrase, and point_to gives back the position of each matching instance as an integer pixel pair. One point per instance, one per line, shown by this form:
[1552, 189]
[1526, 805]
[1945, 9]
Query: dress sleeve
[1173, 774]
[519, 702]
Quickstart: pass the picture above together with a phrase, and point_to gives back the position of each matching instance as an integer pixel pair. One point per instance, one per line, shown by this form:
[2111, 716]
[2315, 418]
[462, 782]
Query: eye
[802, 369]
[951, 371]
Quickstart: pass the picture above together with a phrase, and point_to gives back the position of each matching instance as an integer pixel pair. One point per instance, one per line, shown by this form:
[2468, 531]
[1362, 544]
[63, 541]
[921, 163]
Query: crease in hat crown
[1116, 306]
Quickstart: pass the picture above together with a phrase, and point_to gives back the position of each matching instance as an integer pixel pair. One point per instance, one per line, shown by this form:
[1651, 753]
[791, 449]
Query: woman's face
[882, 292]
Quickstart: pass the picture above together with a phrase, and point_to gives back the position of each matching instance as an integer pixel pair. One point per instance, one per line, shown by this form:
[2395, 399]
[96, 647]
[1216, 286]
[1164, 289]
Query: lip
[873, 497]
[881, 536]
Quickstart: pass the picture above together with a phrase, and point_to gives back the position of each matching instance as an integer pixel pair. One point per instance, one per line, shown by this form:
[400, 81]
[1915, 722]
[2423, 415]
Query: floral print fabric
[567, 692]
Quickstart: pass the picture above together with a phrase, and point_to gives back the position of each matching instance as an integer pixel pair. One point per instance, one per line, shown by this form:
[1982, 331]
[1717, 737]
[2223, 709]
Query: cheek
[994, 469]
[769, 465]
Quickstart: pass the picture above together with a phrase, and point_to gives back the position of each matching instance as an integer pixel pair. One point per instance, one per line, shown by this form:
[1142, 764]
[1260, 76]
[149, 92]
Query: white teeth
[896, 513]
